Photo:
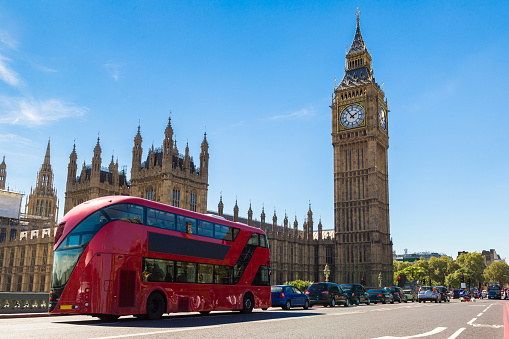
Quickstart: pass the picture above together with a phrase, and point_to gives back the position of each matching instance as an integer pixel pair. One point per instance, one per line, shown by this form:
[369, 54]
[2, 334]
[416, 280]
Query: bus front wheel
[156, 305]
[108, 318]
[247, 303]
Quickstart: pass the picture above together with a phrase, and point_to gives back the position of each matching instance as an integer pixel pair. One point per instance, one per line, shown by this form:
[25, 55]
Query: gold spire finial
[358, 14]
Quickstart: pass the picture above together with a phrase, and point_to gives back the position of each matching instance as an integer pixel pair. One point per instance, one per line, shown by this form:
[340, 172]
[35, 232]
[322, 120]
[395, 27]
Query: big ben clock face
[352, 116]
[382, 117]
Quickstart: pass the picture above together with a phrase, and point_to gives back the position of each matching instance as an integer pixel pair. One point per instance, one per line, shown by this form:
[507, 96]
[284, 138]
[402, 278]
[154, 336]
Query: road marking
[506, 324]
[480, 314]
[484, 325]
[159, 332]
[345, 313]
[427, 334]
[457, 333]
[471, 321]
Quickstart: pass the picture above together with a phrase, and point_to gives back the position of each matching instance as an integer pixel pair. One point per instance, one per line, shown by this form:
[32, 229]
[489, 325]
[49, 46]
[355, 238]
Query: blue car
[287, 296]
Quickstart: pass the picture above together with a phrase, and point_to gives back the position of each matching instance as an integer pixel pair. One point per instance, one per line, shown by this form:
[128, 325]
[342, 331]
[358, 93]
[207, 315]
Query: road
[479, 319]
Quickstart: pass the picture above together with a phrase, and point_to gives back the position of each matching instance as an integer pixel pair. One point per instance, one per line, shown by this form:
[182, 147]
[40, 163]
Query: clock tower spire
[361, 201]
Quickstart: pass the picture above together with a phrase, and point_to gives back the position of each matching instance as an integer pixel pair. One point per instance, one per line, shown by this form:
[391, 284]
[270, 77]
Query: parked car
[327, 294]
[444, 296]
[286, 296]
[458, 293]
[410, 295]
[427, 293]
[397, 293]
[356, 293]
[380, 296]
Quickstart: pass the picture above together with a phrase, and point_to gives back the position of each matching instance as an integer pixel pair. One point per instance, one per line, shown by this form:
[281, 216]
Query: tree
[424, 265]
[300, 284]
[414, 273]
[454, 278]
[497, 271]
[440, 268]
[474, 261]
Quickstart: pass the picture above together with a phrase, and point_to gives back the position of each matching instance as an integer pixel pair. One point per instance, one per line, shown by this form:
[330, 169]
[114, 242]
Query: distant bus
[122, 255]
[494, 291]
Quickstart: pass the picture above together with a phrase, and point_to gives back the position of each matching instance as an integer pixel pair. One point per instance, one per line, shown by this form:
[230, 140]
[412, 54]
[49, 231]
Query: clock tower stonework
[360, 141]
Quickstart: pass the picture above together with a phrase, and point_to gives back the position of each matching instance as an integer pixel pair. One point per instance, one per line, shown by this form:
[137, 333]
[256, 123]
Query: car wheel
[368, 302]
[357, 301]
[392, 301]
[107, 318]
[306, 305]
[384, 301]
[436, 301]
[287, 306]
[347, 302]
[333, 302]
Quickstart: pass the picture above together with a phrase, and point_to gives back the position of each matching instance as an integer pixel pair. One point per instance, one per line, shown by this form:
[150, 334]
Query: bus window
[222, 232]
[206, 229]
[186, 224]
[160, 219]
[186, 272]
[205, 274]
[223, 275]
[153, 270]
[84, 232]
[125, 212]
[262, 277]
[263, 241]
[254, 239]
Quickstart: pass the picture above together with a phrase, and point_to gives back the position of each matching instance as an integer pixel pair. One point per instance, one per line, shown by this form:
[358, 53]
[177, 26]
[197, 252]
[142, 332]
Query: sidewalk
[25, 315]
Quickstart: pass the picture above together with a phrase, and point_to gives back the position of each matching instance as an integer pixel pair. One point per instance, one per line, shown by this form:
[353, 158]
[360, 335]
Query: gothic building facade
[26, 244]
[165, 176]
[3, 174]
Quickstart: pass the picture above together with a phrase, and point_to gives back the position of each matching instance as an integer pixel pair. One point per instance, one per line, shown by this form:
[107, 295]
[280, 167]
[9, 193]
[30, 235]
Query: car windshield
[426, 288]
[376, 291]
[277, 289]
[346, 287]
[316, 287]
[390, 289]
[407, 291]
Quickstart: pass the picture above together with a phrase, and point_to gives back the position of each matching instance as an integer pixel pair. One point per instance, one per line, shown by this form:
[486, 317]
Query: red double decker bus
[123, 255]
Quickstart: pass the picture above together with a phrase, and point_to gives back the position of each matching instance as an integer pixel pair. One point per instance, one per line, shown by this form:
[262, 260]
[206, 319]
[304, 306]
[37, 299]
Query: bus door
[126, 284]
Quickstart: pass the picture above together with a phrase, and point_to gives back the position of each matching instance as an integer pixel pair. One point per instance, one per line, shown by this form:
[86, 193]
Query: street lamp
[380, 279]
[326, 272]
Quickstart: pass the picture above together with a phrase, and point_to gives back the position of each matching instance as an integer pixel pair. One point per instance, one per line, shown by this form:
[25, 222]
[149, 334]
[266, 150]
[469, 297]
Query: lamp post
[380, 279]
[326, 272]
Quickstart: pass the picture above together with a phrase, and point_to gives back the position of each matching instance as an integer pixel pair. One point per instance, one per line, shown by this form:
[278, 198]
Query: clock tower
[360, 139]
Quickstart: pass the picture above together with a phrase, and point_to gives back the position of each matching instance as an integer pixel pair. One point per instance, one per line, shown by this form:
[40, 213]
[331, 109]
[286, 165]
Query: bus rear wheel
[247, 303]
[156, 305]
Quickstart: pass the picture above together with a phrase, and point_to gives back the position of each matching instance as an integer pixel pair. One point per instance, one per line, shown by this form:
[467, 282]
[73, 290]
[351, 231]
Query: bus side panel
[126, 285]
[99, 279]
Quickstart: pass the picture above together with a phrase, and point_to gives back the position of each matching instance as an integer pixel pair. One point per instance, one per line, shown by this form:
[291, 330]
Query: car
[458, 293]
[397, 293]
[427, 293]
[356, 293]
[287, 296]
[326, 294]
[410, 295]
[381, 295]
[444, 296]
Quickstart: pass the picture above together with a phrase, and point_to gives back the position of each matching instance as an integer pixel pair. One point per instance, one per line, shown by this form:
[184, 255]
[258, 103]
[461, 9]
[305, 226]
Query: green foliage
[454, 279]
[497, 271]
[475, 263]
[440, 268]
[414, 273]
[300, 284]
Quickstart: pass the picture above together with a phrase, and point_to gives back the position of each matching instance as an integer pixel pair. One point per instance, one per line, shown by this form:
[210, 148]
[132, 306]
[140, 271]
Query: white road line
[480, 314]
[471, 321]
[427, 334]
[159, 332]
[457, 333]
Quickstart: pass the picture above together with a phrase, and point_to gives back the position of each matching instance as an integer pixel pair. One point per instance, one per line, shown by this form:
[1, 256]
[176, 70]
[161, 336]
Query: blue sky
[258, 77]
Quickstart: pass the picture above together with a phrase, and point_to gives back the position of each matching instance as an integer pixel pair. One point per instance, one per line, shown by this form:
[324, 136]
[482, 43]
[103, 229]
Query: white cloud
[7, 74]
[4, 138]
[8, 41]
[295, 115]
[29, 112]
[113, 69]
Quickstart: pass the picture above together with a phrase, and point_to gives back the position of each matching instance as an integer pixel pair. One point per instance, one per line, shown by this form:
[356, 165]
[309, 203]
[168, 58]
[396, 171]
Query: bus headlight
[86, 304]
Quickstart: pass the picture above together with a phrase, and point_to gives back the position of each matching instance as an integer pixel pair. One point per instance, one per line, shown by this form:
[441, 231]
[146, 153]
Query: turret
[220, 206]
[96, 164]
[236, 212]
[72, 168]
[3, 174]
[168, 146]
[250, 215]
[137, 152]
[204, 157]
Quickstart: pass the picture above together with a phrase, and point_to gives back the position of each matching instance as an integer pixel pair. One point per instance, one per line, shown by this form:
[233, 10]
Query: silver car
[427, 293]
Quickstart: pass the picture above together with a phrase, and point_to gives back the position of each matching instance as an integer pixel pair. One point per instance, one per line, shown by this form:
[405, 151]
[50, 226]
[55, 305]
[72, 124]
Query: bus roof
[83, 210]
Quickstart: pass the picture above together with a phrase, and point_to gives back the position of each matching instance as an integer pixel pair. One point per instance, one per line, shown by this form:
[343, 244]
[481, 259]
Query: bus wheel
[107, 317]
[156, 305]
[247, 303]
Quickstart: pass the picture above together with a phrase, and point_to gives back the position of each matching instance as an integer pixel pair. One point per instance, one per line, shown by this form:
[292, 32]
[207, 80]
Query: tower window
[176, 197]
[193, 199]
[149, 194]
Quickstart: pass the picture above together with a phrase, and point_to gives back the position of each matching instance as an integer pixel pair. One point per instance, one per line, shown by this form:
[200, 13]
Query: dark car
[286, 296]
[443, 293]
[356, 293]
[380, 296]
[327, 294]
[397, 293]
[456, 294]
